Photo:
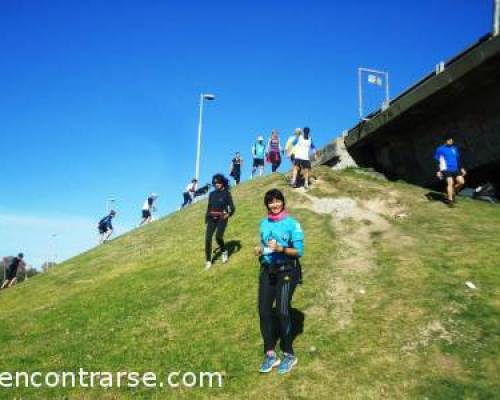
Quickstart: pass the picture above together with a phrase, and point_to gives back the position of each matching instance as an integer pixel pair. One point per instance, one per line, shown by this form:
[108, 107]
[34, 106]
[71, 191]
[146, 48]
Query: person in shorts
[449, 169]
[258, 154]
[303, 145]
[148, 208]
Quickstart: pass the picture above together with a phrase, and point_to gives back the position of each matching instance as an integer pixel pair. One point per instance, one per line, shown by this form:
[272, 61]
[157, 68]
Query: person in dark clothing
[281, 244]
[220, 208]
[274, 151]
[105, 227]
[190, 192]
[11, 272]
[236, 168]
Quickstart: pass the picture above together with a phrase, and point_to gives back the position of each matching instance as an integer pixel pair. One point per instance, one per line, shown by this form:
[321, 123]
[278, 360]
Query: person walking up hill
[105, 227]
[11, 271]
[148, 208]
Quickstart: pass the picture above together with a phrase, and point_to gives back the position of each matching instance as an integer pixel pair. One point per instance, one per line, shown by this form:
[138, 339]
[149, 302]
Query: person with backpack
[258, 153]
[148, 208]
[303, 145]
[448, 158]
[281, 245]
[105, 227]
[219, 209]
[236, 168]
[190, 192]
[11, 271]
[273, 151]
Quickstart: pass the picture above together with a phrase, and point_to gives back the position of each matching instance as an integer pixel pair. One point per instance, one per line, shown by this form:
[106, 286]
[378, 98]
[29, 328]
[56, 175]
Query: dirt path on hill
[358, 224]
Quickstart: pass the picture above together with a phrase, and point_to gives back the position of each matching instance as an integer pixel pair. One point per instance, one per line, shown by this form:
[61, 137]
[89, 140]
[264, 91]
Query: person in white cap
[148, 208]
[258, 154]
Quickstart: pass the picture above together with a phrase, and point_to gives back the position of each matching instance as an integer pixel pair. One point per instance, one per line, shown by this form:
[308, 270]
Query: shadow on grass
[435, 196]
[232, 246]
[297, 317]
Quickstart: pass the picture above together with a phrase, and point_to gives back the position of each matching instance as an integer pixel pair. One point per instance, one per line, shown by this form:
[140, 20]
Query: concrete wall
[408, 151]
[463, 100]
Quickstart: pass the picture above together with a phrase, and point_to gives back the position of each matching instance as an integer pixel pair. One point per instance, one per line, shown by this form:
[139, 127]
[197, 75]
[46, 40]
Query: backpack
[486, 192]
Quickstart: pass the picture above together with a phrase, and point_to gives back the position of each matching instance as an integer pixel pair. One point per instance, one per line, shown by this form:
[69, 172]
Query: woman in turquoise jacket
[281, 244]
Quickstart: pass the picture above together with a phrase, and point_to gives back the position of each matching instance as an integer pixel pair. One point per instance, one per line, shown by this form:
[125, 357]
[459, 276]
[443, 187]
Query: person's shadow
[297, 318]
[232, 246]
[435, 196]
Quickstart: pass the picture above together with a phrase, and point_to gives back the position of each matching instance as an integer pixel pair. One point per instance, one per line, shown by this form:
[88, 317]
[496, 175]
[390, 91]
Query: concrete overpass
[462, 98]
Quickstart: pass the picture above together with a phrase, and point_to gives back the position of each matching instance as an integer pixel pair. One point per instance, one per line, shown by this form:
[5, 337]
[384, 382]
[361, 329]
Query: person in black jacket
[220, 209]
[105, 227]
[11, 272]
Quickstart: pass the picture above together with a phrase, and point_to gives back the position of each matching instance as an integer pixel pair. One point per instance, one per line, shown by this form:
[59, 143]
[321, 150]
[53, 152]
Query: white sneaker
[225, 257]
[208, 265]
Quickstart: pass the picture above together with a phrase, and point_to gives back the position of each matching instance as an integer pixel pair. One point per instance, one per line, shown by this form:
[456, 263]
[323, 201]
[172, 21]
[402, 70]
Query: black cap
[20, 255]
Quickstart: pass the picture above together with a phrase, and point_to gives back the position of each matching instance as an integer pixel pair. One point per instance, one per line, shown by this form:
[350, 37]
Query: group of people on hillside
[281, 243]
[298, 149]
[105, 224]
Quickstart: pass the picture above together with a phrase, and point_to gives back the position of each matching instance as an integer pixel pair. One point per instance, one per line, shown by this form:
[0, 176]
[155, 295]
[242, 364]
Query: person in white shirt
[189, 192]
[148, 208]
[303, 145]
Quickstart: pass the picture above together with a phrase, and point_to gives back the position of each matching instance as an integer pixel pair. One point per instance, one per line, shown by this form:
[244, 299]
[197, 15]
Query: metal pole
[197, 174]
[360, 95]
[387, 89]
[496, 18]
[53, 248]
[109, 204]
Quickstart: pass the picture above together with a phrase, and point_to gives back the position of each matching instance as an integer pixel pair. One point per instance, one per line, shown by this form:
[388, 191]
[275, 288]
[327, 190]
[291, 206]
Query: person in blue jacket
[105, 227]
[258, 154]
[449, 168]
[281, 244]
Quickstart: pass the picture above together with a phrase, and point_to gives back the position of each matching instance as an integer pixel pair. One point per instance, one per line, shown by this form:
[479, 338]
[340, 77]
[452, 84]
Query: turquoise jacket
[287, 233]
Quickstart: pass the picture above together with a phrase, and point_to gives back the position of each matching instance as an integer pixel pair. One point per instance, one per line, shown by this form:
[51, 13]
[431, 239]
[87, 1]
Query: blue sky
[99, 99]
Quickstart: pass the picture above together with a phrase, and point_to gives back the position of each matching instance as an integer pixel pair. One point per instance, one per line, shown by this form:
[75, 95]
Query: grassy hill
[385, 310]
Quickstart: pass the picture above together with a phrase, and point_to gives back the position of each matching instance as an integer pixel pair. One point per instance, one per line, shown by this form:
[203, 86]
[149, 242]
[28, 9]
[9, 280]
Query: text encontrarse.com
[94, 379]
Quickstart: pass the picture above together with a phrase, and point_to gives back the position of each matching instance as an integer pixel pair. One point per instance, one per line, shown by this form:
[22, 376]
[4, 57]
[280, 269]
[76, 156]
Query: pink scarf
[277, 217]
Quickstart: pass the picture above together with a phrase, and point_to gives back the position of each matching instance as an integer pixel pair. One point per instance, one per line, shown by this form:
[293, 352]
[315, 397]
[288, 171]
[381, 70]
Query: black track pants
[218, 226]
[187, 199]
[277, 287]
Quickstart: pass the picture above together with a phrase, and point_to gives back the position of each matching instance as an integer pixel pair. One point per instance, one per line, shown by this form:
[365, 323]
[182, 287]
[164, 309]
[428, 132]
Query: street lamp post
[496, 17]
[110, 204]
[200, 124]
[360, 88]
[52, 249]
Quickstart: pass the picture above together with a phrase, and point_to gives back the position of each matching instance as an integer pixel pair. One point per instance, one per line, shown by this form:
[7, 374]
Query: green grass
[143, 303]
